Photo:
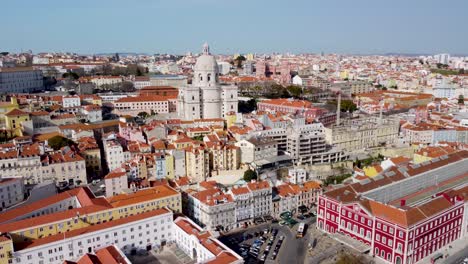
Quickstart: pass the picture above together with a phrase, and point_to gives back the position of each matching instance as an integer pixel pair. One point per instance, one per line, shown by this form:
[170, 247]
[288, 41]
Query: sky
[236, 26]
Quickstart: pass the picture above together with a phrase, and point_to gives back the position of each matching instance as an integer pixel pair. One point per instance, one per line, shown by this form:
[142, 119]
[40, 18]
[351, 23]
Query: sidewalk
[448, 251]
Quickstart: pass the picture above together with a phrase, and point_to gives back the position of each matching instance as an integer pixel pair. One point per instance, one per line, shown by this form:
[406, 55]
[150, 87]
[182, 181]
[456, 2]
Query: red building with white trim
[405, 214]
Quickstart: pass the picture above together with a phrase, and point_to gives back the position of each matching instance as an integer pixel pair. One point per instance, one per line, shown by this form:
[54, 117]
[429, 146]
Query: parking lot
[269, 243]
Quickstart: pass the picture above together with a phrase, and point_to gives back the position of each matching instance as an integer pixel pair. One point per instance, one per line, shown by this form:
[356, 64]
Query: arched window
[209, 77]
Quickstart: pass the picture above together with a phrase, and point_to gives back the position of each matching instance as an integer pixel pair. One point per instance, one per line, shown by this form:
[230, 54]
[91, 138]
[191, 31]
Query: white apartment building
[143, 231]
[114, 154]
[244, 204]
[20, 80]
[111, 97]
[200, 245]
[261, 198]
[256, 149]
[141, 81]
[306, 145]
[147, 103]
[297, 175]
[212, 209]
[71, 101]
[11, 192]
[23, 162]
[106, 80]
[93, 113]
[363, 133]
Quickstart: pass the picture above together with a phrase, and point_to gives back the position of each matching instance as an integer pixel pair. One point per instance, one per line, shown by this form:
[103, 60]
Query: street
[292, 249]
[458, 257]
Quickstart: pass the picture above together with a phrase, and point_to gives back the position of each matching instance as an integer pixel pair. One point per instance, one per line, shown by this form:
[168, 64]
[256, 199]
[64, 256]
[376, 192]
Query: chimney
[338, 109]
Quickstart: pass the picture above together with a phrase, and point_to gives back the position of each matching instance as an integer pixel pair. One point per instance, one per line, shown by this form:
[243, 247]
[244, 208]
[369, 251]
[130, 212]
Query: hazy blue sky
[231, 26]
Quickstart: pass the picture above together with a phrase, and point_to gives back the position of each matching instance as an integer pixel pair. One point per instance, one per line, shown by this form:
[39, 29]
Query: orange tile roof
[16, 112]
[52, 218]
[212, 197]
[240, 190]
[149, 194]
[258, 185]
[84, 196]
[115, 174]
[223, 254]
[90, 229]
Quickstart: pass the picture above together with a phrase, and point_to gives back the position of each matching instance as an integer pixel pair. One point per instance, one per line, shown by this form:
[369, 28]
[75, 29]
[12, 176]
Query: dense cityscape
[233, 157]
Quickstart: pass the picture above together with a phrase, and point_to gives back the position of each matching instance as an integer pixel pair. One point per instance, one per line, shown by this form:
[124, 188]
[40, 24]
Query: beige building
[64, 166]
[363, 133]
[212, 209]
[106, 80]
[116, 182]
[89, 149]
[148, 103]
[224, 157]
[24, 162]
[197, 163]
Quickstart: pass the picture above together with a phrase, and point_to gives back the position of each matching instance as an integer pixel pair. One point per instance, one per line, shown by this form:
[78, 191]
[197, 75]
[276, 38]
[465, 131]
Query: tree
[250, 175]
[294, 90]
[461, 71]
[239, 61]
[247, 107]
[59, 142]
[461, 99]
[348, 105]
[71, 75]
[198, 138]
[143, 115]
[127, 87]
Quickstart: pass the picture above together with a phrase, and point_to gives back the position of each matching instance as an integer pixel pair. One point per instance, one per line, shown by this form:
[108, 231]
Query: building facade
[206, 98]
[385, 217]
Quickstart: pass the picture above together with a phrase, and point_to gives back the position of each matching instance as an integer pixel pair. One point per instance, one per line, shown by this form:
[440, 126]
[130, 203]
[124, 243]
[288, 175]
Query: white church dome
[206, 62]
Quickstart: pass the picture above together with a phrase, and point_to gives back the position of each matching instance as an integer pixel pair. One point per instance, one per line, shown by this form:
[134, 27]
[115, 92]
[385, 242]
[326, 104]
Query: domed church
[206, 97]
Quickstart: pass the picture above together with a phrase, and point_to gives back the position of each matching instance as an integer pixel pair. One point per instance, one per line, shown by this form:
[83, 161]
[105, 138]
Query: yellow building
[231, 119]
[90, 151]
[170, 166]
[14, 120]
[197, 163]
[344, 75]
[93, 210]
[224, 157]
[6, 107]
[372, 171]
[6, 249]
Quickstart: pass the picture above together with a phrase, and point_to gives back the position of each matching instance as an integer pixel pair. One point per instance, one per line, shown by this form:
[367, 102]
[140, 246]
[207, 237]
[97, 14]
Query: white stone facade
[206, 98]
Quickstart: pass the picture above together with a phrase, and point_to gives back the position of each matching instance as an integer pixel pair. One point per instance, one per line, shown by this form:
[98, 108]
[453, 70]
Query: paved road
[458, 257]
[292, 250]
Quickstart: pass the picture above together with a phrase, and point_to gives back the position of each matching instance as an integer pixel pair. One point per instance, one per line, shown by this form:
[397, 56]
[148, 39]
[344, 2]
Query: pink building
[400, 216]
[302, 107]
